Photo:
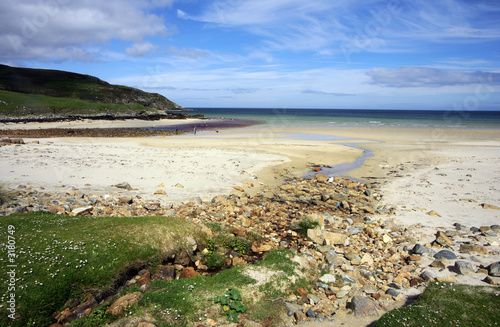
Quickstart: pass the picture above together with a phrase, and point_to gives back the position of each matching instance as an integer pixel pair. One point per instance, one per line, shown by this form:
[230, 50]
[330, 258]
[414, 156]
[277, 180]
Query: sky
[345, 54]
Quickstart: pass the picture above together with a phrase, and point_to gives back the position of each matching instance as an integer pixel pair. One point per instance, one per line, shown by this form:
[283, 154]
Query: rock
[320, 178]
[494, 269]
[332, 258]
[420, 249]
[81, 211]
[367, 259]
[291, 308]
[197, 200]
[160, 192]
[392, 292]
[463, 267]
[352, 256]
[445, 254]
[348, 279]
[363, 307]
[467, 248]
[310, 313]
[327, 278]
[495, 228]
[164, 273]
[354, 230]
[188, 272]
[334, 238]
[178, 185]
[123, 185]
[386, 238]
[433, 213]
[489, 206]
[124, 302]
[299, 316]
[442, 239]
[302, 292]
[492, 280]
[126, 200]
[431, 274]
[145, 323]
[238, 188]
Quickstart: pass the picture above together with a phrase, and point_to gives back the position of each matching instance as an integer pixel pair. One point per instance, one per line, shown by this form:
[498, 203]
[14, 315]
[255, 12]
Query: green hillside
[25, 91]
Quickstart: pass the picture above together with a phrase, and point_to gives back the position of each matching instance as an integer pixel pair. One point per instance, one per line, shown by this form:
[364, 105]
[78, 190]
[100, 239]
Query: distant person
[194, 130]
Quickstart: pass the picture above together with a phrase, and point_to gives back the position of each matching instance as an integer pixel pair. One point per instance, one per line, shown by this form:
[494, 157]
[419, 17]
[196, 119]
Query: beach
[433, 177]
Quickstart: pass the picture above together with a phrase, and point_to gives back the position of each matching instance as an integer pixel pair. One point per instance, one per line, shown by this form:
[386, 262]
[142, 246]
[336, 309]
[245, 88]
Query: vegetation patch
[305, 224]
[448, 304]
[62, 257]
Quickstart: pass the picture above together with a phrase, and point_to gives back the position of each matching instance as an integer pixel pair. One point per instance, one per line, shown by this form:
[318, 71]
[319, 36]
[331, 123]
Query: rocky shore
[369, 262]
[143, 115]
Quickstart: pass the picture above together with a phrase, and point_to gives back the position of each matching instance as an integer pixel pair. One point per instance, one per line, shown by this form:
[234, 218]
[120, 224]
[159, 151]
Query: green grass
[61, 257]
[305, 224]
[185, 302]
[19, 104]
[447, 304]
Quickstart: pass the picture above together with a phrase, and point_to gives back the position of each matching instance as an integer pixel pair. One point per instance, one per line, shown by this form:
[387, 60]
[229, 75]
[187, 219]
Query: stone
[164, 273]
[310, 313]
[386, 238]
[492, 280]
[238, 188]
[348, 279]
[188, 272]
[332, 258]
[431, 274]
[445, 254]
[299, 316]
[126, 200]
[321, 178]
[327, 278]
[420, 249]
[119, 306]
[495, 228]
[302, 292]
[145, 323]
[489, 206]
[123, 185]
[363, 307]
[82, 210]
[178, 185]
[442, 239]
[334, 238]
[367, 259]
[291, 308]
[494, 269]
[160, 192]
[433, 213]
[463, 267]
[467, 248]
[392, 292]
[352, 256]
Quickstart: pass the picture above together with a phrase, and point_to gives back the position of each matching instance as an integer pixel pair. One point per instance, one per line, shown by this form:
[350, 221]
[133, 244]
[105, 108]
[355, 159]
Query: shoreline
[401, 160]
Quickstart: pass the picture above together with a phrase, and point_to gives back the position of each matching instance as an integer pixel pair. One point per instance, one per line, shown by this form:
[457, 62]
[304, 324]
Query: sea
[356, 118]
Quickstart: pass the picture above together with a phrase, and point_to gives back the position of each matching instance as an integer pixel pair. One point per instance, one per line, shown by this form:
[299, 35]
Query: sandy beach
[433, 177]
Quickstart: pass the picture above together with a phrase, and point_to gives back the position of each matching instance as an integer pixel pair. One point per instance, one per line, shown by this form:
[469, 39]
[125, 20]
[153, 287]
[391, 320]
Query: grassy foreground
[448, 304]
[58, 258]
[61, 257]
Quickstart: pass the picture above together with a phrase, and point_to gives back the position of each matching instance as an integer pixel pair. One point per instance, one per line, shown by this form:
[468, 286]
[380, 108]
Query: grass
[185, 302]
[305, 224]
[19, 104]
[62, 257]
[447, 304]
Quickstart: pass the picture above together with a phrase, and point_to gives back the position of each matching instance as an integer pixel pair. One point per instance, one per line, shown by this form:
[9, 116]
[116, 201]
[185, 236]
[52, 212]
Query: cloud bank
[428, 77]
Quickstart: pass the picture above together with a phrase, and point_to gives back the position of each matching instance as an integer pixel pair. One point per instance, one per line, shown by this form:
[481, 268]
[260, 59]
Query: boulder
[494, 269]
[327, 278]
[123, 185]
[363, 307]
[124, 302]
[463, 267]
[442, 239]
[445, 254]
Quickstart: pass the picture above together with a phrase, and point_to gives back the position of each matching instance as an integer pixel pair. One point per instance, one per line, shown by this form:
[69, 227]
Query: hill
[26, 91]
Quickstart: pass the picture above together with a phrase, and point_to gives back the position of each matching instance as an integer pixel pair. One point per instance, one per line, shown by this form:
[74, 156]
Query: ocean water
[354, 118]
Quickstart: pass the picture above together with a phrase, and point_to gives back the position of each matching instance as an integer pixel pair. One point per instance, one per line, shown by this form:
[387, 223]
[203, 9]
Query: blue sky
[356, 54]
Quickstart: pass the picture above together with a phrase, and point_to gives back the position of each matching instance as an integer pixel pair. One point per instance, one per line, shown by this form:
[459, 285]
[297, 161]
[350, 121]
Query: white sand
[95, 165]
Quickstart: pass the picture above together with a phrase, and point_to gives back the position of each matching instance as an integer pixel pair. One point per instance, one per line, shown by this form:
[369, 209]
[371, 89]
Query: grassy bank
[19, 104]
[62, 257]
[447, 304]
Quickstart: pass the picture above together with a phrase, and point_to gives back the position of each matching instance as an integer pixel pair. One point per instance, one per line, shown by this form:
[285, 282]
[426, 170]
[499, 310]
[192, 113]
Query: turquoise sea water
[350, 118]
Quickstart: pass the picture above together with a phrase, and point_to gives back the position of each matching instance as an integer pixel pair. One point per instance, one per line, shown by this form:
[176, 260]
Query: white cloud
[429, 77]
[46, 30]
[139, 49]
